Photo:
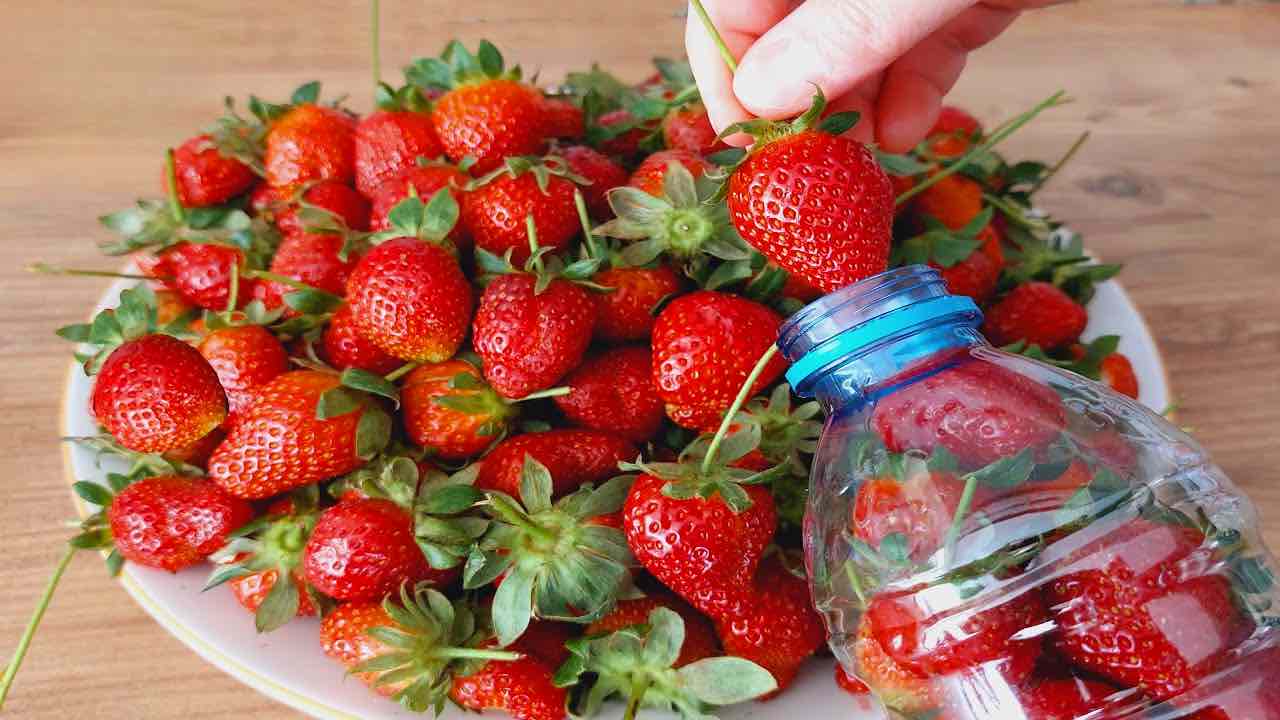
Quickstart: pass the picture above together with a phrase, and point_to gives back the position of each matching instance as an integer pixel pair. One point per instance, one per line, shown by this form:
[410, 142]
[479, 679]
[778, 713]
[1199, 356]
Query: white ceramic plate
[287, 664]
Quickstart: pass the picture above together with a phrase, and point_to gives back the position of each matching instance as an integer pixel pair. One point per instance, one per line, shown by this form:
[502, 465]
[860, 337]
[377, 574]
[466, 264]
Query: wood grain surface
[1179, 182]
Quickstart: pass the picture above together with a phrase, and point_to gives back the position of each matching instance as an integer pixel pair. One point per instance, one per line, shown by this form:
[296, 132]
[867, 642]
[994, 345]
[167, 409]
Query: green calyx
[558, 565]
[475, 397]
[543, 264]
[1041, 249]
[457, 66]
[95, 530]
[940, 244]
[786, 433]
[767, 131]
[542, 170]
[134, 317]
[636, 663]
[357, 393]
[433, 640]
[431, 221]
[445, 530]
[140, 464]
[407, 97]
[1089, 364]
[692, 477]
[391, 475]
[244, 139]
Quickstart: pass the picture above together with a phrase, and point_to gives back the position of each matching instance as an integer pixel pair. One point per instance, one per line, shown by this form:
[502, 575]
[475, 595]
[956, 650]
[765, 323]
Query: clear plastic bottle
[991, 537]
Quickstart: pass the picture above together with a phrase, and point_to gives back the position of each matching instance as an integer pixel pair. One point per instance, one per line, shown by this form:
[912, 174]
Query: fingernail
[776, 77]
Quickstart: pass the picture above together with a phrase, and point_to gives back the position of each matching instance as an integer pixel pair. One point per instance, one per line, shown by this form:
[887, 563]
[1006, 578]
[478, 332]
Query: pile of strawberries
[465, 376]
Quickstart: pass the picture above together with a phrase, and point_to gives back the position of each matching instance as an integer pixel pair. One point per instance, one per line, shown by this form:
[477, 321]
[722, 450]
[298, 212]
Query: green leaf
[728, 158]
[893, 548]
[607, 498]
[373, 432]
[1007, 472]
[513, 605]
[92, 492]
[78, 332]
[92, 539]
[451, 499]
[307, 93]
[223, 573]
[279, 606]
[439, 216]
[900, 165]
[942, 461]
[483, 568]
[726, 680]
[115, 561]
[839, 123]
[365, 381]
[336, 402]
[665, 638]
[490, 59]
[312, 301]
[535, 485]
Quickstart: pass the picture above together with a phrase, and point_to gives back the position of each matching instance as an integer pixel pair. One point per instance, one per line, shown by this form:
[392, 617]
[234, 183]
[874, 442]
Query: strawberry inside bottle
[988, 536]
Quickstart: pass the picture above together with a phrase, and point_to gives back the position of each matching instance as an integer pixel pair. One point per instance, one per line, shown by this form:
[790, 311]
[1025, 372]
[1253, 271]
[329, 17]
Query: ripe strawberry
[777, 627]
[699, 636]
[450, 411]
[529, 338]
[310, 142]
[170, 306]
[172, 522]
[244, 357]
[953, 132]
[408, 295]
[281, 205]
[626, 312]
[1037, 313]
[156, 393]
[1142, 606]
[603, 173]
[689, 129]
[206, 177]
[900, 689]
[977, 410]
[1117, 373]
[1062, 698]
[564, 118]
[545, 640]
[954, 201]
[1246, 691]
[976, 275]
[486, 112]
[280, 442]
[342, 346]
[363, 549]
[625, 132]
[650, 175]
[311, 259]
[522, 688]
[573, 457]
[201, 273]
[704, 346]
[252, 590]
[919, 508]
[495, 210]
[849, 683]
[389, 142]
[198, 452]
[425, 180]
[614, 391]
[815, 203]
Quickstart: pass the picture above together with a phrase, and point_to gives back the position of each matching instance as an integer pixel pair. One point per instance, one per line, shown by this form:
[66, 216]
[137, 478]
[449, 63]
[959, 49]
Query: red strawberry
[573, 457]
[521, 688]
[254, 564]
[690, 129]
[953, 132]
[172, 522]
[614, 391]
[815, 203]
[919, 508]
[310, 142]
[1117, 372]
[777, 627]
[250, 590]
[626, 312]
[699, 636]
[604, 174]
[849, 683]
[205, 176]
[363, 549]
[630, 132]
[699, 547]
[495, 211]
[450, 411]
[244, 357]
[704, 346]
[344, 347]
[1037, 313]
[1142, 606]
[564, 118]
[651, 174]
[977, 410]
[899, 688]
[425, 180]
[545, 640]
[279, 443]
[530, 339]
[198, 452]
[954, 201]
[411, 299]
[1062, 698]
[976, 276]
[201, 273]
[1246, 691]
[389, 142]
[281, 205]
[157, 393]
[314, 260]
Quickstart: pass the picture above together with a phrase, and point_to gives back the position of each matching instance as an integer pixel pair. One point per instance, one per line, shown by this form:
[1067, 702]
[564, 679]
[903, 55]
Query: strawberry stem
[996, 138]
[962, 509]
[450, 653]
[59, 270]
[24, 643]
[638, 688]
[738, 401]
[375, 31]
[171, 187]
[233, 291]
[728, 57]
[1066, 158]
[541, 394]
[400, 372]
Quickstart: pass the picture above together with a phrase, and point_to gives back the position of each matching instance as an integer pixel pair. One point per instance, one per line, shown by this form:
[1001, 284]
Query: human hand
[890, 60]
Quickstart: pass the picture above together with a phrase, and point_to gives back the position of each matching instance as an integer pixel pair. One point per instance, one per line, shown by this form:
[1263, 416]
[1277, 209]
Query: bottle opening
[891, 306]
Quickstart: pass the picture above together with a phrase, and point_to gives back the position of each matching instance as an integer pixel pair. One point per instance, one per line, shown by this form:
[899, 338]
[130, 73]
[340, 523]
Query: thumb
[834, 44]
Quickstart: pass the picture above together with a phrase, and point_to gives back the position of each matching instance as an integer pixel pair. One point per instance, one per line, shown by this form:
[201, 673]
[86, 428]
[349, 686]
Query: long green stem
[639, 687]
[543, 394]
[48, 269]
[450, 653]
[743, 393]
[400, 372]
[24, 642]
[957, 522]
[233, 292]
[283, 280]
[729, 59]
[171, 185]
[1066, 158]
[375, 38]
[994, 139]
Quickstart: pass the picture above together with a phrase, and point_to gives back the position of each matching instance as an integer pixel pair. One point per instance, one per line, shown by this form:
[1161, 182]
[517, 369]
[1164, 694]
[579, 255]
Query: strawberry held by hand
[814, 202]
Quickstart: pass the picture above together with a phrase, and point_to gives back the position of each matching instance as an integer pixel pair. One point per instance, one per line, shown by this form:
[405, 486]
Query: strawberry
[603, 174]
[623, 132]
[342, 346]
[626, 311]
[849, 683]
[486, 113]
[316, 260]
[205, 176]
[704, 345]
[954, 201]
[613, 391]
[813, 201]
[699, 636]
[301, 428]
[977, 410]
[244, 357]
[564, 119]
[573, 457]
[521, 688]
[899, 688]
[650, 175]
[363, 549]
[953, 132]
[424, 180]
[1037, 313]
[170, 306]
[1062, 698]
[496, 209]
[332, 197]
[545, 640]
[1141, 606]
[201, 273]
[252, 590]
[776, 627]
[976, 275]
[1117, 372]
[197, 453]
[449, 410]
[917, 509]
[408, 295]
[389, 142]
[689, 129]
[1245, 691]
[310, 142]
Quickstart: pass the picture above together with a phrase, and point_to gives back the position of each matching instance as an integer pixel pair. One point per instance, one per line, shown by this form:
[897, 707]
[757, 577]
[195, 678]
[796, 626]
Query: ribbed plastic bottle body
[991, 537]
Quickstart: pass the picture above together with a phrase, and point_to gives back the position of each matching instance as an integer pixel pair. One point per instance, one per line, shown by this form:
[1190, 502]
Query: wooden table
[1179, 181]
